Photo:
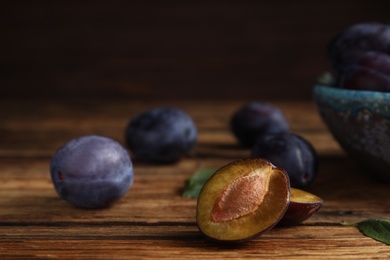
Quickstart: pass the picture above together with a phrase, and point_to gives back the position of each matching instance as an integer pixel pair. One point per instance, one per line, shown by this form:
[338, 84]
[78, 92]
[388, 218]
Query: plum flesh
[302, 206]
[242, 200]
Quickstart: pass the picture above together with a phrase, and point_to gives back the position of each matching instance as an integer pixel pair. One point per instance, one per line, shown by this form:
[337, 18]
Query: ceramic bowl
[360, 122]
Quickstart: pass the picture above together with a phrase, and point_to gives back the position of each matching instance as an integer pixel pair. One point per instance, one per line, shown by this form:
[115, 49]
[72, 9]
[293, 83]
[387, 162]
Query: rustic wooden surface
[153, 221]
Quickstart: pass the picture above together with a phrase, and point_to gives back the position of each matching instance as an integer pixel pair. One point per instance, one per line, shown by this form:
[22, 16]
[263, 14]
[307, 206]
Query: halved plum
[302, 206]
[242, 200]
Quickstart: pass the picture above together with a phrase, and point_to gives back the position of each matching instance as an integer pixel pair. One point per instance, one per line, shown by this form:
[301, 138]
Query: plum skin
[302, 206]
[351, 43]
[291, 152]
[370, 72]
[161, 135]
[365, 78]
[360, 56]
[91, 171]
[256, 119]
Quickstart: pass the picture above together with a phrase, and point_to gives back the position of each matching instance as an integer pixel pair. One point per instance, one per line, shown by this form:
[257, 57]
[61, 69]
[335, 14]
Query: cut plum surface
[242, 199]
[302, 206]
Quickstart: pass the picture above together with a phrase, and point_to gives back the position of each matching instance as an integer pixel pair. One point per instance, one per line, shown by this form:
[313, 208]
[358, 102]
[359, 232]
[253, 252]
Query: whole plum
[256, 119]
[161, 135]
[363, 78]
[375, 60]
[370, 72]
[91, 171]
[292, 153]
[351, 43]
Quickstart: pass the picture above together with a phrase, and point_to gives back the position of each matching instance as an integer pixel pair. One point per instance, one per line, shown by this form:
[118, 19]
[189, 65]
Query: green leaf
[194, 184]
[376, 228]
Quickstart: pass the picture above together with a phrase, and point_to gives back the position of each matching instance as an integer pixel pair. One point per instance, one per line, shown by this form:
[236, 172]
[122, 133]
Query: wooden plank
[50, 124]
[152, 220]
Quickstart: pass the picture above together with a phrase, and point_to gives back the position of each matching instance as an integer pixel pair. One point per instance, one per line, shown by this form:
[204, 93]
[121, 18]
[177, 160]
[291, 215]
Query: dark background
[171, 49]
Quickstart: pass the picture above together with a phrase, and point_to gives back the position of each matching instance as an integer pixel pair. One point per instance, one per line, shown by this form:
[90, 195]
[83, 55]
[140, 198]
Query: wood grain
[153, 221]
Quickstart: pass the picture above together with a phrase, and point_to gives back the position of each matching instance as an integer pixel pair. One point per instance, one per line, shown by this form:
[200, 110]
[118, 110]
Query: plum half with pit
[302, 206]
[242, 199]
[91, 171]
[291, 152]
[161, 135]
[256, 119]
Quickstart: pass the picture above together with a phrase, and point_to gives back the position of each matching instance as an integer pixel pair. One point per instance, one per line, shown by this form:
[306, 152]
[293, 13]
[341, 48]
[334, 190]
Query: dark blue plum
[161, 135]
[364, 78]
[360, 55]
[370, 72]
[91, 171]
[292, 153]
[375, 60]
[256, 119]
[351, 43]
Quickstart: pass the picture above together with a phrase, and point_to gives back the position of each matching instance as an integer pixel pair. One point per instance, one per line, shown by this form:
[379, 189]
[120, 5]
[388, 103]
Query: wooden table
[153, 221]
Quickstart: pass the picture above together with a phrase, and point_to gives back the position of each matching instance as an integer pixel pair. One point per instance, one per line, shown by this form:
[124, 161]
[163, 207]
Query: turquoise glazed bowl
[360, 122]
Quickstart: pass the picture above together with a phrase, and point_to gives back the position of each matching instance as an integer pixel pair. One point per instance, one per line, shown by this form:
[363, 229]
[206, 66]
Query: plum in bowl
[359, 120]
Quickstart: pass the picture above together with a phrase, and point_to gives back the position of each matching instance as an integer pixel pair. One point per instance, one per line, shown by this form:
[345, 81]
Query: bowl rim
[321, 88]
[348, 99]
